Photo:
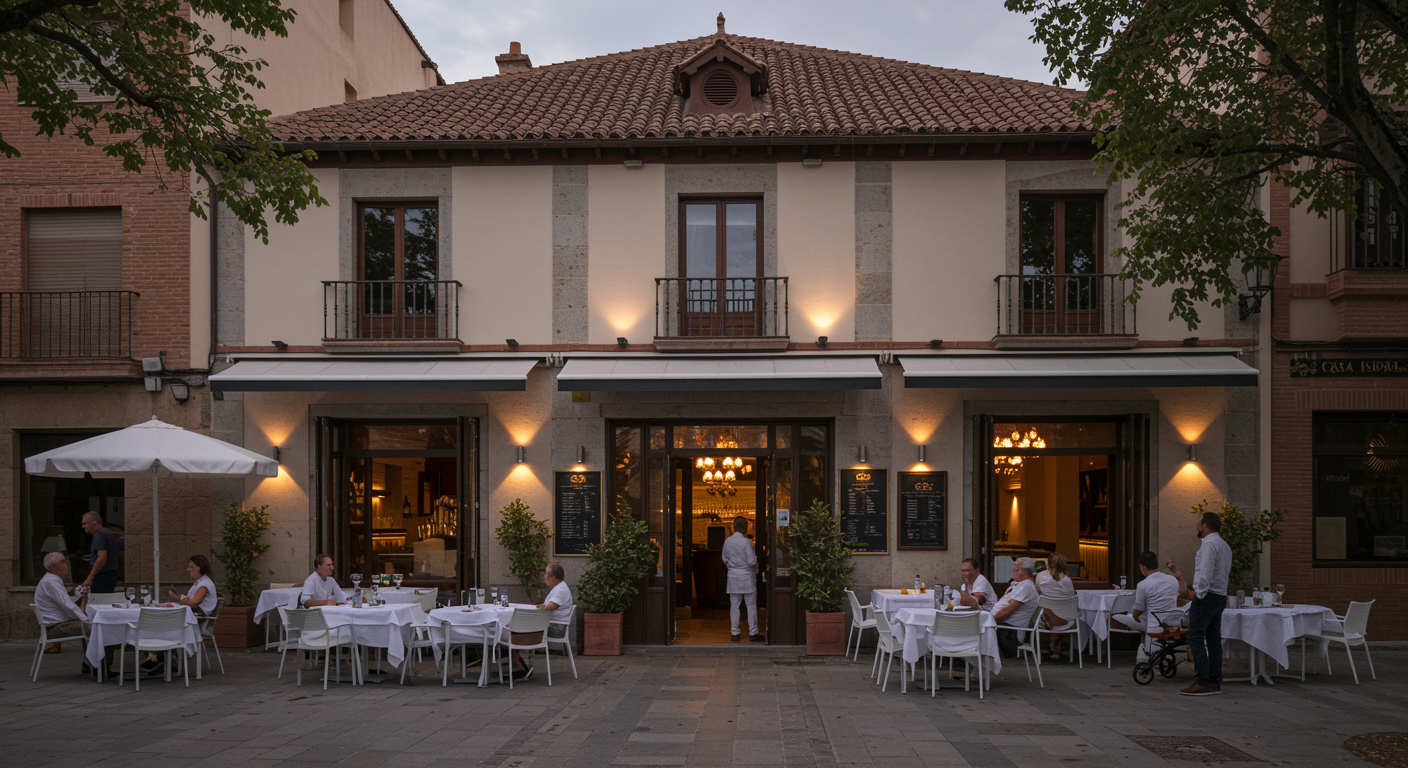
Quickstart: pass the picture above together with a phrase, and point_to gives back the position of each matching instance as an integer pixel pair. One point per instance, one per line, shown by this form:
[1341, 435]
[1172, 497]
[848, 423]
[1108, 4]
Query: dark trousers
[1205, 638]
[105, 582]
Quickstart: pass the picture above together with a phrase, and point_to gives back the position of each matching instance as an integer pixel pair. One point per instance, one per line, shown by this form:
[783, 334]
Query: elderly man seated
[62, 617]
[1018, 604]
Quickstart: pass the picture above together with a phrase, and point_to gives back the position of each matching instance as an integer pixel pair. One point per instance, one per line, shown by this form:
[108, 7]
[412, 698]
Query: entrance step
[740, 649]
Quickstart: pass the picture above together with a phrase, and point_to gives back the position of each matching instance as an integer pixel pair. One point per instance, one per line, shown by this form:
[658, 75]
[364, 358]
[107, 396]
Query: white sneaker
[1141, 656]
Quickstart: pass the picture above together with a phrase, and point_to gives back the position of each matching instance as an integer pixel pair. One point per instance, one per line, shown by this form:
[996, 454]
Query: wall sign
[576, 512]
[865, 509]
[923, 510]
[1305, 367]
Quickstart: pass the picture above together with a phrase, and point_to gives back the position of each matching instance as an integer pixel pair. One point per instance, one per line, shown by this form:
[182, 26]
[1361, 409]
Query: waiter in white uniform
[742, 564]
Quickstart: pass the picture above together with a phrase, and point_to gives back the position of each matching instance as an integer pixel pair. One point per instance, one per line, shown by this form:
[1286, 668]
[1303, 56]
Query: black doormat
[1387, 749]
[1196, 749]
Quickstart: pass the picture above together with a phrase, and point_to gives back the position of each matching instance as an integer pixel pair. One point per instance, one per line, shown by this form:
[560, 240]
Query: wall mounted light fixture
[923, 453]
[864, 456]
[821, 342]
[634, 163]
[1192, 451]
[274, 454]
[811, 162]
[521, 452]
[181, 391]
[581, 454]
[621, 342]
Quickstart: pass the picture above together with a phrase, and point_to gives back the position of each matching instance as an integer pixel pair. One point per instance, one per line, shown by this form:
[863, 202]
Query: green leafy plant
[243, 534]
[821, 558]
[1244, 535]
[618, 565]
[526, 539]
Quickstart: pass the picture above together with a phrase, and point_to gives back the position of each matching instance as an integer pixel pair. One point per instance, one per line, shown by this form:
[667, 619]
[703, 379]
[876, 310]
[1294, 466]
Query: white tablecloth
[271, 599]
[384, 626]
[911, 627]
[1271, 630]
[396, 595]
[1095, 610]
[467, 626]
[110, 628]
[890, 600]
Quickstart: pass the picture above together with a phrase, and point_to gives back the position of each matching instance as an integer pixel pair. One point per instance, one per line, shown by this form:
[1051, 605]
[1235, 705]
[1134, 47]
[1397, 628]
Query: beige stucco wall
[816, 251]
[949, 241]
[502, 220]
[308, 68]
[283, 290]
[625, 242]
[1311, 246]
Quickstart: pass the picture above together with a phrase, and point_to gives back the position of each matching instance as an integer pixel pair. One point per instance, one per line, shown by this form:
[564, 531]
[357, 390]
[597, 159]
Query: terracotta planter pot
[602, 634]
[826, 634]
[235, 628]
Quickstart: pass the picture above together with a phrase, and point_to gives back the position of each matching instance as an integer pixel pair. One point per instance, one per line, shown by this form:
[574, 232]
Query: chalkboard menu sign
[576, 512]
[923, 510]
[865, 509]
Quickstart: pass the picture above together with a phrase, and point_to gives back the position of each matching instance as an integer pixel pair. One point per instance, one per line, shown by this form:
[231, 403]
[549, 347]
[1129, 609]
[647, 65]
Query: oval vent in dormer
[720, 88]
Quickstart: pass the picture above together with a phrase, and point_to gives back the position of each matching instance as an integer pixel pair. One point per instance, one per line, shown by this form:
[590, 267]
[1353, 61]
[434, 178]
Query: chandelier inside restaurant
[720, 474]
[1009, 465]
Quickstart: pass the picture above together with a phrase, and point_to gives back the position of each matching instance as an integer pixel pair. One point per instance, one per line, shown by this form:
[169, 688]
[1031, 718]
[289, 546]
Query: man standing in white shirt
[742, 564]
[1211, 573]
[320, 588]
[61, 616]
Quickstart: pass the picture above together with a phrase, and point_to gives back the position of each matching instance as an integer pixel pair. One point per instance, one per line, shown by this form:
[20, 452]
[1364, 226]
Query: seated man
[320, 588]
[977, 592]
[1155, 597]
[559, 601]
[1015, 610]
[61, 616]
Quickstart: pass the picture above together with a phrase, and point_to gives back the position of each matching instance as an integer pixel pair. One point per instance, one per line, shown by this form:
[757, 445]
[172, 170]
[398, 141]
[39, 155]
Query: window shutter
[75, 249]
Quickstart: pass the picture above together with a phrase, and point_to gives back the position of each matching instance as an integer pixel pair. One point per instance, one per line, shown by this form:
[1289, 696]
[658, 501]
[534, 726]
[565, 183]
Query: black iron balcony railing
[725, 307]
[57, 324]
[390, 309]
[1063, 305]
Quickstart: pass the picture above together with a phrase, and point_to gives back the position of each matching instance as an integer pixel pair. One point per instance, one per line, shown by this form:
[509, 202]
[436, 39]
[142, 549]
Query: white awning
[674, 374]
[442, 375]
[1215, 369]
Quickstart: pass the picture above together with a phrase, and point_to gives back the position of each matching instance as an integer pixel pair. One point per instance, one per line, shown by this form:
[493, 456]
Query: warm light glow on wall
[822, 320]
[1191, 426]
[623, 321]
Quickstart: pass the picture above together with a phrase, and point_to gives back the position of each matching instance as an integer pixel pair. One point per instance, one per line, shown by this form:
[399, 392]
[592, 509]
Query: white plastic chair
[1121, 604]
[314, 634]
[286, 636]
[524, 621]
[275, 585]
[44, 640]
[463, 636]
[420, 638]
[207, 633]
[1031, 649]
[427, 600]
[1355, 623]
[565, 641]
[1068, 610]
[886, 644]
[153, 621]
[951, 627]
[106, 598]
[862, 618]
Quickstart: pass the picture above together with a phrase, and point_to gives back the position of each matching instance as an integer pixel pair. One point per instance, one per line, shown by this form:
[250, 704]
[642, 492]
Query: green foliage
[526, 539]
[1244, 535]
[180, 100]
[618, 565]
[1197, 103]
[243, 534]
[821, 558]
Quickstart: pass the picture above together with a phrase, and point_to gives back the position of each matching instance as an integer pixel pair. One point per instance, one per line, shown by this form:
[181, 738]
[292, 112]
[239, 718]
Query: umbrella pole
[156, 542]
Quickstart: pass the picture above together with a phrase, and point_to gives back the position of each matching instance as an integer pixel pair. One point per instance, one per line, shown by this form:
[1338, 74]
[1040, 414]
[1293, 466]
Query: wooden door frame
[398, 315]
[1059, 267]
[720, 277]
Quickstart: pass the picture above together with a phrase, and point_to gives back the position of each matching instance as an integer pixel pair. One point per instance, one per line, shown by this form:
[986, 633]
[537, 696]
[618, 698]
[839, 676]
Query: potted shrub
[822, 566]
[1244, 536]
[615, 569]
[526, 539]
[243, 534]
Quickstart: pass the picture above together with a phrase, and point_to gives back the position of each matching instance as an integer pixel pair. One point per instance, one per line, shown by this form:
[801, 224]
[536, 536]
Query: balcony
[1054, 311]
[391, 315]
[721, 314]
[66, 324]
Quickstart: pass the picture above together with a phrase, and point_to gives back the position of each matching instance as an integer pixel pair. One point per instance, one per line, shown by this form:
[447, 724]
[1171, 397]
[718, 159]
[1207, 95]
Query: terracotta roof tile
[630, 95]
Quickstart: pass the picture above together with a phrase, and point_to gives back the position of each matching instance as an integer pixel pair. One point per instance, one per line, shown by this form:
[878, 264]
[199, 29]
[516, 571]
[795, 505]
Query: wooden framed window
[1061, 247]
[398, 265]
[720, 263]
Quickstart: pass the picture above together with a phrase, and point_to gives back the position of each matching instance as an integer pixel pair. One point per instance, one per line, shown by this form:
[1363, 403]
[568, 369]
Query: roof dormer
[720, 79]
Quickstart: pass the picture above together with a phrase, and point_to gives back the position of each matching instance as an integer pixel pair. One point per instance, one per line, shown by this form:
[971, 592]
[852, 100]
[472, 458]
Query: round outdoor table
[890, 600]
[109, 627]
[1258, 633]
[911, 626]
[382, 626]
[480, 623]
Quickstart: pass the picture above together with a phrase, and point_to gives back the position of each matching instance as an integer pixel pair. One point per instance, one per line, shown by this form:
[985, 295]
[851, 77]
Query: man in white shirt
[61, 616]
[1212, 571]
[1155, 598]
[742, 562]
[559, 601]
[320, 588]
[979, 591]
[1017, 606]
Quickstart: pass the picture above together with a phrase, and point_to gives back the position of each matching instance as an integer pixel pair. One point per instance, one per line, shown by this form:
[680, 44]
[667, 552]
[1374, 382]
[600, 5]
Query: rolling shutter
[74, 249]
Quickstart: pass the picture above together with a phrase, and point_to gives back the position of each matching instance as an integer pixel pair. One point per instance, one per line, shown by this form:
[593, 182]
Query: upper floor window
[399, 264]
[1060, 234]
[1377, 235]
[720, 238]
[1360, 486]
[73, 249]
[1060, 287]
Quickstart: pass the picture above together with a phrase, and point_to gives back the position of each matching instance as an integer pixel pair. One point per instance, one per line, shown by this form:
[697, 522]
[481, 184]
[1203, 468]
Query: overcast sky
[463, 36]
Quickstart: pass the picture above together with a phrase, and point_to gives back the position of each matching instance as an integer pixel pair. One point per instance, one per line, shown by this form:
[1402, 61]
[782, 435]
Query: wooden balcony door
[721, 262]
[1061, 258]
[398, 263]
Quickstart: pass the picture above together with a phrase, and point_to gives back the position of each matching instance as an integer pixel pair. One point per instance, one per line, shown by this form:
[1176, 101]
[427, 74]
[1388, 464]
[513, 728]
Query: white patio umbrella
[154, 449]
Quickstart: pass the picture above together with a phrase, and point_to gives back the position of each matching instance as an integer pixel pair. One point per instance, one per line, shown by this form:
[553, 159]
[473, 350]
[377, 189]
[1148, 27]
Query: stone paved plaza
[750, 706]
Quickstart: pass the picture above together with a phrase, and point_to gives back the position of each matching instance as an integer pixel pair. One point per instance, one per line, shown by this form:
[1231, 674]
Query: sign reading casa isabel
[1377, 366]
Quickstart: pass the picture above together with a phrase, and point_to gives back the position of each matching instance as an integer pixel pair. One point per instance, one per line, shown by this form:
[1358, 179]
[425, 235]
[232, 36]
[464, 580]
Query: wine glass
[1280, 592]
[397, 579]
[146, 591]
[131, 593]
[493, 595]
[356, 580]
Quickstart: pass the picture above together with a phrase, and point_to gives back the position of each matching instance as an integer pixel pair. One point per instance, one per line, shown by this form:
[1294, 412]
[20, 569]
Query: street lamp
[1258, 285]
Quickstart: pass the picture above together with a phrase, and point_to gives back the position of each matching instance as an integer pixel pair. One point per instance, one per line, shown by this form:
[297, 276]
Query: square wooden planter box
[235, 628]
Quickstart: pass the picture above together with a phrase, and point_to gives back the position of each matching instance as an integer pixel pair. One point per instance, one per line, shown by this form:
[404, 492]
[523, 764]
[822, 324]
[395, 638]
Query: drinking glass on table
[494, 595]
[396, 578]
[1280, 592]
[356, 580]
[145, 592]
[131, 593]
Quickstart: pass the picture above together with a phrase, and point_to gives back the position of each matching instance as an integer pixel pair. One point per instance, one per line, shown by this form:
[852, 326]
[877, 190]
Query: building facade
[717, 278]
[102, 269]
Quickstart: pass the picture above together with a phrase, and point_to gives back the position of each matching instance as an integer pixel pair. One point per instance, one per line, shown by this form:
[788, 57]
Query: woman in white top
[201, 597]
[1054, 583]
